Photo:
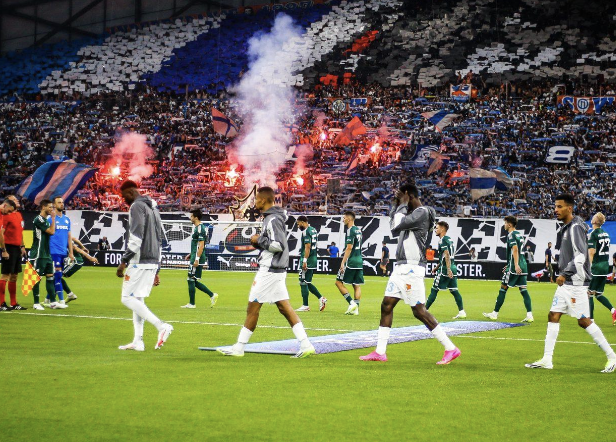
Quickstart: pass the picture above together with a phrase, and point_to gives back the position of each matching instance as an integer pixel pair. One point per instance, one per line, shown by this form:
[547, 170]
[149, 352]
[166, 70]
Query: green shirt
[355, 261]
[600, 241]
[515, 238]
[198, 234]
[446, 244]
[309, 236]
[40, 239]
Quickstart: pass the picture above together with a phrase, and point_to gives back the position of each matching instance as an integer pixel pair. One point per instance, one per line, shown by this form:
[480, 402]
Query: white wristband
[304, 260]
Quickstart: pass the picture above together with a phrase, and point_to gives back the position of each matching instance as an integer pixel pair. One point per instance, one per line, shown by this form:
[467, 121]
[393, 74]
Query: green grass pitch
[64, 378]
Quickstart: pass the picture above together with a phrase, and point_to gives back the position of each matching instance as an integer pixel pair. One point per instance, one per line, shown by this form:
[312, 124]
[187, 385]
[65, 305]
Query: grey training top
[415, 230]
[274, 256]
[145, 235]
[573, 262]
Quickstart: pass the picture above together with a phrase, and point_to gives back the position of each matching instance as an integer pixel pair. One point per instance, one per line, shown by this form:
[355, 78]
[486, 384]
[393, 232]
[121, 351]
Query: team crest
[126, 278]
[572, 300]
[408, 287]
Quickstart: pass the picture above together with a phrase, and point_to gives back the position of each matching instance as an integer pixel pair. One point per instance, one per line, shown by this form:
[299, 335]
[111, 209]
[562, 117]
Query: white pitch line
[524, 339]
[180, 322]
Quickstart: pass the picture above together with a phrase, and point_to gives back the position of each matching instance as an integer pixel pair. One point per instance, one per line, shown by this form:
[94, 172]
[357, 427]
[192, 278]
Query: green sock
[591, 302]
[65, 286]
[458, 298]
[527, 302]
[51, 290]
[314, 291]
[347, 297]
[204, 289]
[191, 291]
[305, 293]
[35, 292]
[500, 299]
[606, 302]
[431, 298]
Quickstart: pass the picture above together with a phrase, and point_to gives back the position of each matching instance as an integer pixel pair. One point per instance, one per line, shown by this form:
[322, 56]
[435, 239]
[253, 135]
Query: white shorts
[407, 283]
[138, 282]
[269, 287]
[571, 300]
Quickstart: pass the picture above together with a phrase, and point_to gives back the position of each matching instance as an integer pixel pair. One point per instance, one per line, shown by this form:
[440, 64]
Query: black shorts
[12, 266]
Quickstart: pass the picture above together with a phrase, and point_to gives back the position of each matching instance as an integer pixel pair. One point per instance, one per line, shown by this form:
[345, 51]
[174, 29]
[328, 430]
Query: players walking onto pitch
[197, 259]
[40, 255]
[446, 273]
[352, 265]
[140, 265]
[571, 296]
[599, 256]
[515, 272]
[407, 279]
[269, 283]
[308, 256]
[61, 247]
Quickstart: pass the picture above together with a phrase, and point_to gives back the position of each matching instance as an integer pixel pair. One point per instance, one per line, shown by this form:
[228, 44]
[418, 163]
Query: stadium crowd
[510, 128]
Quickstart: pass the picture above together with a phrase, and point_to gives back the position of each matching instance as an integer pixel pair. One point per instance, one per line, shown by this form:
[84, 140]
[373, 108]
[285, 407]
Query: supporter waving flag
[223, 125]
[441, 119]
[55, 178]
[503, 180]
[350, 131]
[482, 183]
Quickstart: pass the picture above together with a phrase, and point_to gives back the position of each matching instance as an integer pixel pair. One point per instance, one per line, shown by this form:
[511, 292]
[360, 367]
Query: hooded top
[274, 256]
[145, 235]
[573, 262]
[415, 230]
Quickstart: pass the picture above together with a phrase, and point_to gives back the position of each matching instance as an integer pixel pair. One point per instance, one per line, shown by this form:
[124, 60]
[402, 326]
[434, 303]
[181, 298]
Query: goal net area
[227, 246]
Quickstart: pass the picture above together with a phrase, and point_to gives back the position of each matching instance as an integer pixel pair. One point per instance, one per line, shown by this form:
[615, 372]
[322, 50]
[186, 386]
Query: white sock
[550, 340]
[494, 312]
[613, 310]
[302, 337]
[243, 338]
[138, 325]
[440, 335]
[138, 306]
[597, 335]
[462, 312]
[381, 340]
[529, 314]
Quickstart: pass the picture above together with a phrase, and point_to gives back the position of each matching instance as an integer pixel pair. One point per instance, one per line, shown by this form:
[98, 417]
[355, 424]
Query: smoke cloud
[132, 153]
[266, 103]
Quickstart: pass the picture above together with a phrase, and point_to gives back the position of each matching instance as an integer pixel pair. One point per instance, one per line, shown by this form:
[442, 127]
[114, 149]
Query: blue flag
[482, 183]
[55, 178]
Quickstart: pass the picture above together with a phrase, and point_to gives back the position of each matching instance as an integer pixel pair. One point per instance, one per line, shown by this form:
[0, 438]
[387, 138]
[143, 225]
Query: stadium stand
[388, 61]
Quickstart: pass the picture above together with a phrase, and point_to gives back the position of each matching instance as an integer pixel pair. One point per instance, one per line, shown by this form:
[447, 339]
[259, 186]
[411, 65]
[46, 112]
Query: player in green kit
[352, 265]
[308, 256]
[446, 272]
[599, 255]
[197, 259]
[72, 267]
[515, 272]
[40, 255]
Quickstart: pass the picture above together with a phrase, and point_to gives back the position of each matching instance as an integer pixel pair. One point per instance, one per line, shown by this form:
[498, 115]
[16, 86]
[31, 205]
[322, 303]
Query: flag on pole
[538, 274]
[31, 278]
[350, 131]
[223, 125]
[353, 162]
[55, 178]
[482, 183]
[441, 119]
[438, 160]
[503, 180]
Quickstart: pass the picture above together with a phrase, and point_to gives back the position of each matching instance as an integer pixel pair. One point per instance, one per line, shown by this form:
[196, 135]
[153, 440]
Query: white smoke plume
[266, 103]
[131, 152]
